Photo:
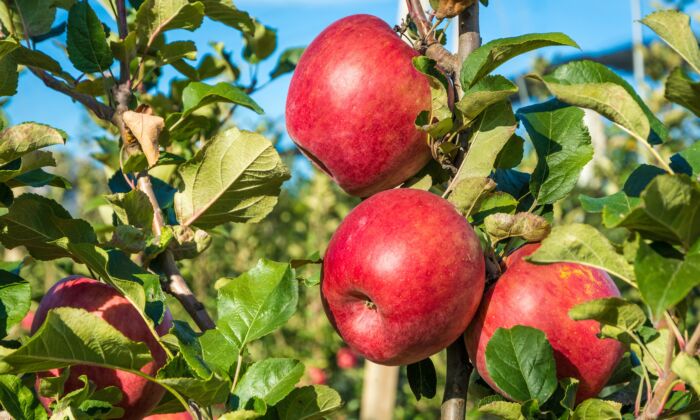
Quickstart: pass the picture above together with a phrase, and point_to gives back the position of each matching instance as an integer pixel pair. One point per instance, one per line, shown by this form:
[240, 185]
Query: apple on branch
[402, 277]
[352, 106]
[140, 395]
[540, 296]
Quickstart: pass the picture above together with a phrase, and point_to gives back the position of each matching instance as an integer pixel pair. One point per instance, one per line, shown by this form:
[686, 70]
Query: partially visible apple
[26, 323]
[140, 396]
[352, 105]
[317, 376]
[402, 276]
[345, 358]
[541, 296]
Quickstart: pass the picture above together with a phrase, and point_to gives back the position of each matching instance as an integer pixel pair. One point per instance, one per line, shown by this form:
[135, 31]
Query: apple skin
[26, 323]
[345, 358]
[317, 376]
[352, 105]
[541, 296]
[140, 396]
[402, 276]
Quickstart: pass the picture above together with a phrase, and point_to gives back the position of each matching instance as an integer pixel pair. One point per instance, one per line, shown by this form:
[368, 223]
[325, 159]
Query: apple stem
[459, 368]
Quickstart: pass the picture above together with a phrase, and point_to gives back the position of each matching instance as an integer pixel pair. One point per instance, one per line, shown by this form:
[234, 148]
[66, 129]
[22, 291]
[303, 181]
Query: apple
[352, 105]
[317, 376]
[402, 276]
[26, 322]
[541, 296]
[345, 358]
[140, 396]
[172, 416]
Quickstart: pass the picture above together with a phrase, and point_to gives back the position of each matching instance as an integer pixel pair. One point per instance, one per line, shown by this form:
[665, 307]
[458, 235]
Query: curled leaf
[451, 8]
[146, 128]
[531, 227]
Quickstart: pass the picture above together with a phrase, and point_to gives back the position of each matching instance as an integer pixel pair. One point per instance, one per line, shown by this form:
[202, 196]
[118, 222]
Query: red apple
[402, 276]
[140, 396]
[353, 102]
[541, 296]
[317, 376]
[346, 358]
[173, 416]
[26, 323]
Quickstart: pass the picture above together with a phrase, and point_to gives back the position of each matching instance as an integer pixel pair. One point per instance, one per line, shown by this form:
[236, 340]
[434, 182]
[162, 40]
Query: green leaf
[512, 153]
[503, 410]
[198, 94]
[682, 90]
[236, 177]
[569, 388]
[486, 58]
[422, 378]
[175, 51]
[287, 62]
[490, 134]
[615, 315]
[595, 409]
[27, 163]
[9, 76]
[19, 400]
[86, 43]
[563, 147]
[34, 17]
[205, 391]
[257, 302]
[309, 403]
[259, 44]
[35, 58]
[592, 85]
[7, 46]
[37, 223]
[496, 202]
[71, 336]
[531, 227]
[132, 208]
[191, 348]
[269, 380]
[667, 211]
[613, 207]
[664, 282]
[520, 361]
[436, 121]
[674, 28]
[582, 244]
[486, 92]
[640, 178]
[687, 368]
[688, 159]
[469, 192]
[225, 12]
[15, 297]
[21, 139]
[157, 16]
[219, 353]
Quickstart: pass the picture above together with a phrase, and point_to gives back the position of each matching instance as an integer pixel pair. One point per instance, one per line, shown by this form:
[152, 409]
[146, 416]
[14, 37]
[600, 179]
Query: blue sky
[595, 24]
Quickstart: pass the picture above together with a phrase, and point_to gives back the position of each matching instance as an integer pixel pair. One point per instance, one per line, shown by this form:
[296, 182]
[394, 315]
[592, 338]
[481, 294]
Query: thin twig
[431, 47]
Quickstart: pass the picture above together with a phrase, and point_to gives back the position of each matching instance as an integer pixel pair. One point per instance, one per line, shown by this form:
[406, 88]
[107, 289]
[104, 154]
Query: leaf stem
[651, 150]
[430, 46]
[239, 362]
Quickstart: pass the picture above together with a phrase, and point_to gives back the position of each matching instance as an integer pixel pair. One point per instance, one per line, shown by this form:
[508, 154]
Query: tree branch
[459, 369]
[431, 47]
[666, 382]
[102, 111]
[123, 32]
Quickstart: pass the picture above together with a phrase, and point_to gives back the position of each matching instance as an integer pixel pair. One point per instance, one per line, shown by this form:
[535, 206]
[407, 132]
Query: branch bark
[431, 47]
[663, 387]
[102, 111]
[176, 284]
[459, 369]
